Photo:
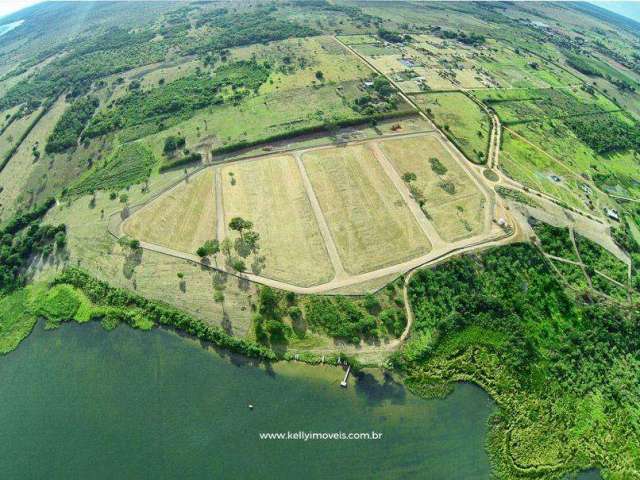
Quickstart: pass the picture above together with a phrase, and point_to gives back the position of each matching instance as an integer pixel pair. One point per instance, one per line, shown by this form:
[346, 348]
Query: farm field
[182, 219]
[269, 192]
[150, 273]
[462, 119]
[370, 223]
[452, 201]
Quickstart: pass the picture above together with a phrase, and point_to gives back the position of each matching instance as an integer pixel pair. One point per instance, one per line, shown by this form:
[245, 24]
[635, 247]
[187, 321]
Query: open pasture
[462, 119]
[14, 131]
[369, 222]
[269, 192]
[452, 201]
[531, 167]
[518, 69]
[181, 219]
[296, 62]
[15, 175]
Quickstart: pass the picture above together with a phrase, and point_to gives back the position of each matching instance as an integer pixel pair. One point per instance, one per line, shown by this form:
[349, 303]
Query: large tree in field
[239, 224]
[210, 247]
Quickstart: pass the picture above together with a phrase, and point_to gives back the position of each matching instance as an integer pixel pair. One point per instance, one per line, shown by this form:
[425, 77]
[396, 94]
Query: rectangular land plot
[456, 215]
[181, 219]
[467, 122]
[369, 222]
[269, 192]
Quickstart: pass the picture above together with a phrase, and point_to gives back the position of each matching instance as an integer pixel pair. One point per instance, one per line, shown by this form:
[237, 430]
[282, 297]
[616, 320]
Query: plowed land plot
[456, 215]
[181, 219]
[369, 222]
[269, 192]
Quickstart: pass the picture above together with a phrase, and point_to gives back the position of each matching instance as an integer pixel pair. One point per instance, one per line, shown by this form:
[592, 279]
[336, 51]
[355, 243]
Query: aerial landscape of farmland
[414, 225]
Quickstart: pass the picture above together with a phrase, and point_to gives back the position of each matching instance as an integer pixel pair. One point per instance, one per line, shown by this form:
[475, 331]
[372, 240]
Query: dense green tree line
[68, 129]
[102, 294]
[605, 133]
[258, 25]
[341, 318]
[21, 239]
[116, 50]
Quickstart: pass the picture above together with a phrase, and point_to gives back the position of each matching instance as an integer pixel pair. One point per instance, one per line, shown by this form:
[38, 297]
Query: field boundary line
[428, 229]
[329, 243]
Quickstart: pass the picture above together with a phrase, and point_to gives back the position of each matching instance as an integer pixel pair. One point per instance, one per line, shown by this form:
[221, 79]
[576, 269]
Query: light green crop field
[519, 105]
[16, 173]
[520, 69]
[455, 215]
[571, 158]
[462, 118]
[269, 192]
[181, 219]
[369, 222]
[357, 39]
[534, 169]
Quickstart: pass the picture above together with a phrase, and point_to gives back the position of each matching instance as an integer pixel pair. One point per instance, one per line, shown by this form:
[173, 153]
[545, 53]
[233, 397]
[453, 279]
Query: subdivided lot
[462, 119]
[269, 192]
[181, 219]
[452, 201]
[369, 222]
[572, 274]
[151, 274]
[555, 241]
[606, 286]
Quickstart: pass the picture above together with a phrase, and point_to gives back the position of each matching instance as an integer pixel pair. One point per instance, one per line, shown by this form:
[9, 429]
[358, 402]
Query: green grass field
[269, 192]
[462, 119]
[14, 177]
[370, 223]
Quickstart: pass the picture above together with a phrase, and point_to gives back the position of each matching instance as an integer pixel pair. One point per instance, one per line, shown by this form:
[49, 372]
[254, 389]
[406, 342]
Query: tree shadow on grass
[131, 261]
